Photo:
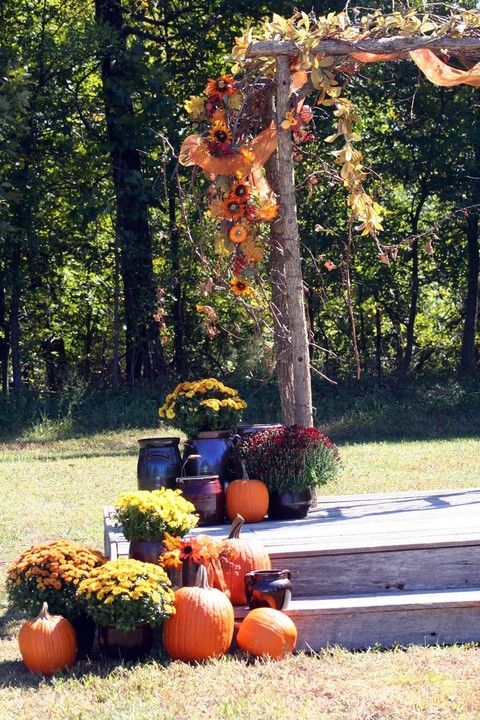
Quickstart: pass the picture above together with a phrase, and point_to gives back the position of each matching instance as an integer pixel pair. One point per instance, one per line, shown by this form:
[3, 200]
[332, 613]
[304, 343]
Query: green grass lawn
[51, 489]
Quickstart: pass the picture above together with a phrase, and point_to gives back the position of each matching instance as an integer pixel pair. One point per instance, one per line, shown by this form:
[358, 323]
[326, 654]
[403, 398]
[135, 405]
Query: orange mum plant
[51, 573]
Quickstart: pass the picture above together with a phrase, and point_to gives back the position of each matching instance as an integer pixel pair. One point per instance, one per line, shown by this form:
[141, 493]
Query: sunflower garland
[243, 202]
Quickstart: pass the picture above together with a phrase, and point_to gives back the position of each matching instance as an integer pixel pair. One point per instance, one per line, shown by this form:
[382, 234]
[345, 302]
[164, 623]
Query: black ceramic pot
[84, 628]
[159, 463]
[213, 448]
[146, 550]
[119, 645]
[289, 505]
[205, 492]
[268, 588]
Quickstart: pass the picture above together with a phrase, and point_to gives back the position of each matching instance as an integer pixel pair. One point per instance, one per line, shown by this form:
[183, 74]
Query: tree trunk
[378, 339]
[4, 338]
[144, 356]
[116, 312]
[179, 355]
[15, 319]
[414, 289]
[294, 290]
[468, 359]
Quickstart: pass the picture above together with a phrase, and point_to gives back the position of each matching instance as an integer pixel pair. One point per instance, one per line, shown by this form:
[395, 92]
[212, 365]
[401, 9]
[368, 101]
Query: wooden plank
[391, 571]
[361, 622]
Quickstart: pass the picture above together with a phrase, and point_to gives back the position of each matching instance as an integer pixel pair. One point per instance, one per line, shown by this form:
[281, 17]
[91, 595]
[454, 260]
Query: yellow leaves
[195, 107]
[252, 251]
[221, 245]
[215, 209]
[289, 121]
[268, 211]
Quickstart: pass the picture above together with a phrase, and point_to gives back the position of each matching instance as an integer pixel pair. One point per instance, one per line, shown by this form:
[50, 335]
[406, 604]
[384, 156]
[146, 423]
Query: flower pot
[159, 463]
[213, 447]
[289, 505]
[268, 588]
[206, 493]
[146, 550]
[84, 628]
[121, 645]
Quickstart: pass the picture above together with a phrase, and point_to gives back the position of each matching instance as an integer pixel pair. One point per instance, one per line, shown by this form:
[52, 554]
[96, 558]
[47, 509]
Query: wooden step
[385, 620]
[407, 567]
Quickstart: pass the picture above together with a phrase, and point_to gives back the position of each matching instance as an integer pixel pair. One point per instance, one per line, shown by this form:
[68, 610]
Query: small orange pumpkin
[48, 643]
[203, 624]
[248, 498]
[266, 632]
[239, 557]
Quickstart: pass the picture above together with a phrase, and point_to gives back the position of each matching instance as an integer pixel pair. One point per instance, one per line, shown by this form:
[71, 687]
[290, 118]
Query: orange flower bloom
[240, 287]
[240, 190]
[233, 208]
[238, 233]
[268, 211]
[220, 87]
[219, 133]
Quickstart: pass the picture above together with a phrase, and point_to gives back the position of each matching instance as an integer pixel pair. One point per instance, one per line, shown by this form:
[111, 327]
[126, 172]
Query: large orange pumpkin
[267, 632]
[248, 498]
[202, 626]
[48, 643]
[239, 557]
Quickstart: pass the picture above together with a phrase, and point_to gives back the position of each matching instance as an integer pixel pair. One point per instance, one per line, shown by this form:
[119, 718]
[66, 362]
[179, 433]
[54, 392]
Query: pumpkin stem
[244, 471]
[235, 528]
[43, 614]
[201, 578]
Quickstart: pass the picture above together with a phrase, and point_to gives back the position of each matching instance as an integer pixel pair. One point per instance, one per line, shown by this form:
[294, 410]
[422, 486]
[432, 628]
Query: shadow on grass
[13, 673]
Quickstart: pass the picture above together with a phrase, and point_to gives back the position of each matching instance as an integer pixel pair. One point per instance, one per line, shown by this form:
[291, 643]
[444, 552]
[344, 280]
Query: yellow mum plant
[203, 405]
[148, 514]
[125, 593]
[51, 573]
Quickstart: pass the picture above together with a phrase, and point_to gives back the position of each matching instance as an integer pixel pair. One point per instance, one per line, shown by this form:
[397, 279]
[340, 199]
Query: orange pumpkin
[48, 643]
[266, 632]
[239, 557]
[248, 498]
[202, 626]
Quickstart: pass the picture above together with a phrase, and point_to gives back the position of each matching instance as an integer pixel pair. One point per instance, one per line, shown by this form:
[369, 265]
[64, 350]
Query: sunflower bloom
[221, 87]
[233, 208]
[219, 133]
[241, 190]
[240, 287]
[238, 233]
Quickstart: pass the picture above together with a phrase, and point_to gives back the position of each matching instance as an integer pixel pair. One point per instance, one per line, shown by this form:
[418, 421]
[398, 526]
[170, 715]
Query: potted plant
[146, 515]
[126, 598]
[207, 411]
[292, 461]
[51, 573]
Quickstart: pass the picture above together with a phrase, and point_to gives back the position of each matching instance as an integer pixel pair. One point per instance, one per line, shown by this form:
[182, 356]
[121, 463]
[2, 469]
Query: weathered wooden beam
[297, 322]
[379, 46]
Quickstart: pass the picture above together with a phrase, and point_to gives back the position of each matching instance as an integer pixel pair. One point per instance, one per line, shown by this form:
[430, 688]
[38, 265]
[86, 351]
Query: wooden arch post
[299, 355]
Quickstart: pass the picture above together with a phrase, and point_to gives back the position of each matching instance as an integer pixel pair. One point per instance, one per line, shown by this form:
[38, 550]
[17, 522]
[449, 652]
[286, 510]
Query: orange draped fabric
[440, 73]
[434, 69]
[194, 150]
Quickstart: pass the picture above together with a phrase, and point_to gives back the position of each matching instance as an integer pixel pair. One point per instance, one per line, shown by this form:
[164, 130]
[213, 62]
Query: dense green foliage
[99, 270]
